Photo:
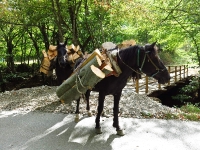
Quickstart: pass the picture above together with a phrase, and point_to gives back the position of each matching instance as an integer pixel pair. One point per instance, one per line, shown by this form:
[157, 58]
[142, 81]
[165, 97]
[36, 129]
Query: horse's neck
[128, 61]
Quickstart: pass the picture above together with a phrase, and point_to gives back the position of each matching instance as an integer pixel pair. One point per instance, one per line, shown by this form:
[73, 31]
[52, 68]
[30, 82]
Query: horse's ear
[65, 43]
[58, 42]
[153, 44]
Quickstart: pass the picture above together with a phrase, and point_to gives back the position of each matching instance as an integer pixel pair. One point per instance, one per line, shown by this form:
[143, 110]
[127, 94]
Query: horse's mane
[128, 53]
[153, 51]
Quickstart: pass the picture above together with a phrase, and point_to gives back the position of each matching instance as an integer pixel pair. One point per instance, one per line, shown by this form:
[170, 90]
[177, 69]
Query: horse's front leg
[99, 111]
[116, 112]
[77, 111]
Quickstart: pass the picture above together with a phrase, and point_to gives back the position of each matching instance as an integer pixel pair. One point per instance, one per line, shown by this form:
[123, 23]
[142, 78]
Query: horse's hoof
[105, 115]
[76, 120]
[89, 114]
[98, 131]
[120, 133]
[62, 101]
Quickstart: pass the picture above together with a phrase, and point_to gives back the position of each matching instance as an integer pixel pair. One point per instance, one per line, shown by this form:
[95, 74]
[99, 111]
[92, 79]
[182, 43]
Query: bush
[35, 67]
[23, 68]
[2, 66]
[188, 92]
[14, 77]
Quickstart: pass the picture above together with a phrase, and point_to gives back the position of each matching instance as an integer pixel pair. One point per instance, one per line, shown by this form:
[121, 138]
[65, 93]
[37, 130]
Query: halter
[146, 55]
[64, 57]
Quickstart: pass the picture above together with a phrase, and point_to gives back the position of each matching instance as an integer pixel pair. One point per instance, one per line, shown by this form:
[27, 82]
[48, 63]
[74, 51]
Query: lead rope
[153, 63]
[142, 61]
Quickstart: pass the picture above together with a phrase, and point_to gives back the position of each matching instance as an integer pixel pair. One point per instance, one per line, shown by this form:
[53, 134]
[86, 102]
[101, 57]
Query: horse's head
[62, 54]
[152, 65]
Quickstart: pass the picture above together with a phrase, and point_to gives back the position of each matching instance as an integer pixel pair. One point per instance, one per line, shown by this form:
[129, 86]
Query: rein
[126, 64]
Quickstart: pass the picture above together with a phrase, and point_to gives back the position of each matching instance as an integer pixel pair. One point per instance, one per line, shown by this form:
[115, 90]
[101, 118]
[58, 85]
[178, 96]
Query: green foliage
[170, 116]
[13, 77]
[178, 56]
[190, 108]
[182, 97]
[190, 112]
[192, 87]
[187, 92]
[28, 28]
[2, 66]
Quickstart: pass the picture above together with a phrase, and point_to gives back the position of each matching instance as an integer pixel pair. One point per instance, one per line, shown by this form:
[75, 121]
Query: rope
[146, 54]
[126, 64]
[78, 78]
[77, 87]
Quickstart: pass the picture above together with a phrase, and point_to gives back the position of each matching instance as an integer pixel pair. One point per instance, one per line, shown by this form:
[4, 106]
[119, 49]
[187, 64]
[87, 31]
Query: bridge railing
[177, 73]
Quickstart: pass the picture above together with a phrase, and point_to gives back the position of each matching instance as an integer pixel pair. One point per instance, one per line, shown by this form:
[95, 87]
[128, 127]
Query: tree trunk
[2, 84]
[10, 59]
[42, 28]
[35, 44]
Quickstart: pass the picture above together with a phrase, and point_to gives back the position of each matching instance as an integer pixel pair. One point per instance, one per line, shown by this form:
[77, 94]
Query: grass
[190, 108]
[189, 112]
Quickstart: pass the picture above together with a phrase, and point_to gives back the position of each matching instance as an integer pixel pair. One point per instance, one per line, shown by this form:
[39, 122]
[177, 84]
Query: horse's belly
[109, 87]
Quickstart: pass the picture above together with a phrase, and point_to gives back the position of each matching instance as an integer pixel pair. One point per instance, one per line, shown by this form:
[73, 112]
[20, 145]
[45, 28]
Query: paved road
[47, 131]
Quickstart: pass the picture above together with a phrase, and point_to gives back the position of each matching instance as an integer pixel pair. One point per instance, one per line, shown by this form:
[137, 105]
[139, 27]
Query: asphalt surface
[48, 131]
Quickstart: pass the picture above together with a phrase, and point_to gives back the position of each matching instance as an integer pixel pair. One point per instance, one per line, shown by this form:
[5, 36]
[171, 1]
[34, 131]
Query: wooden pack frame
[74, 52]
[126, 43]
[45, 65]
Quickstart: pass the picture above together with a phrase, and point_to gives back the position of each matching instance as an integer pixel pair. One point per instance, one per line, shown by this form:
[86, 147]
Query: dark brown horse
[64, 70]
[62, 67]
[130, 60]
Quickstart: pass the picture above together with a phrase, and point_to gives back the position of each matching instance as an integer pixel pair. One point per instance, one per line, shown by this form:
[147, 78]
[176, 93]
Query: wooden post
[180, 72]
[175, 73]
[137, 85]
[169, 70]
[184, 72]
[187, 70]
[159, 86]
[147, 87]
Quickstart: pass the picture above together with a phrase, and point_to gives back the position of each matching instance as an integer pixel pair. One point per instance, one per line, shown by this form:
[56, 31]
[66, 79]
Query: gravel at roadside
[44, 99]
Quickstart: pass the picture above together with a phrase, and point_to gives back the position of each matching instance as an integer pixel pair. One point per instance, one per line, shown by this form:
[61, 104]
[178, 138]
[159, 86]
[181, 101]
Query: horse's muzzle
[163, 80]
[62, 64]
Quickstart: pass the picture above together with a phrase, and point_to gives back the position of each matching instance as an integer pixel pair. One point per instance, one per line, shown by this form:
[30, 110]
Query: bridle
[158, 70]
[64, 57]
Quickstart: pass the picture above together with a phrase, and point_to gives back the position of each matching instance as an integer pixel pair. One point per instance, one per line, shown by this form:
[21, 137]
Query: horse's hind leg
[77, 111]
[87, 95]
[116, 112]
[99, 111]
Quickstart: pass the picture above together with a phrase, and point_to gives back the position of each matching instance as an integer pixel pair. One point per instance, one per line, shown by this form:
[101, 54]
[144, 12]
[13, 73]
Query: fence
[177, 72]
